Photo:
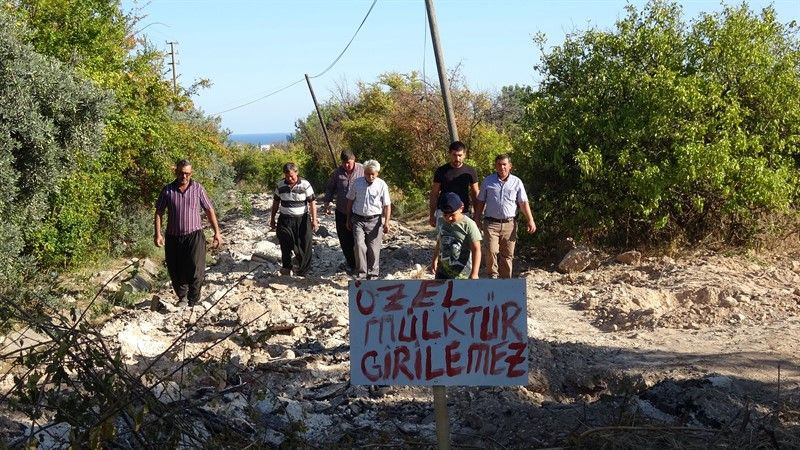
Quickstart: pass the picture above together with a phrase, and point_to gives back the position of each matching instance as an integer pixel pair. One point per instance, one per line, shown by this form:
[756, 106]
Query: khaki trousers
[500, 240]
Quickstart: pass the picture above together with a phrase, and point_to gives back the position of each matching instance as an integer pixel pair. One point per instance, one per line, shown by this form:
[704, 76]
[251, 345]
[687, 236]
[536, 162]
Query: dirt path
[693, 343]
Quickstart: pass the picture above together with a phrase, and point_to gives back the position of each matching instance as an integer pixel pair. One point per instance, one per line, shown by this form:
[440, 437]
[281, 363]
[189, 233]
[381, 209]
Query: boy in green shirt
[458, 237]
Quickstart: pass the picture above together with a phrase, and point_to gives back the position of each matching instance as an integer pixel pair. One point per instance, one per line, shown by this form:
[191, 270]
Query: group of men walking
[459, 208]
[455, 188]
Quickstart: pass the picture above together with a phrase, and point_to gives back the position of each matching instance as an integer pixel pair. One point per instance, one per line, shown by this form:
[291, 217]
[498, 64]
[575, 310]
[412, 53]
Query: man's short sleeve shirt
[294, 200]
[455, 248]
[369, 199]
[501, 197]
[183, 208]
[458, 180]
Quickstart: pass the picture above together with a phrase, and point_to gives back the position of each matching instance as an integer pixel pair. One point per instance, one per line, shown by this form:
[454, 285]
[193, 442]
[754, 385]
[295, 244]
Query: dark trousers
[294, 235]
[186, 264]
[345, 239]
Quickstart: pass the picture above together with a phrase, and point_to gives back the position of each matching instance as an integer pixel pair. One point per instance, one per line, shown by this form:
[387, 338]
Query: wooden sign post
[439, 333]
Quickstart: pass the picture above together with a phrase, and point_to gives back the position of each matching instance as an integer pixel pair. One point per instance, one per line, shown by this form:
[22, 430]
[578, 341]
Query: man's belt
[360, 217]
[494, 220]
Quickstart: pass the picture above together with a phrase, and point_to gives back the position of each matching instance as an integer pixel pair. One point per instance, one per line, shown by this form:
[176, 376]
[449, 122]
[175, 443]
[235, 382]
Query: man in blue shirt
[500, 195]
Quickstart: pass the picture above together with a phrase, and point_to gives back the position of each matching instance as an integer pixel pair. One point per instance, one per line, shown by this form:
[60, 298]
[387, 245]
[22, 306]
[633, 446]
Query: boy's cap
[450, 203]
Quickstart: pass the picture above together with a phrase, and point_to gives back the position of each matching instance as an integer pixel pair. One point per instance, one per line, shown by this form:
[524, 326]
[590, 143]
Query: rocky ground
[652, 352]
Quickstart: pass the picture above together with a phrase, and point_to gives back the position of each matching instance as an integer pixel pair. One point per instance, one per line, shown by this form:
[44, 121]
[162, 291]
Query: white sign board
[438, 332]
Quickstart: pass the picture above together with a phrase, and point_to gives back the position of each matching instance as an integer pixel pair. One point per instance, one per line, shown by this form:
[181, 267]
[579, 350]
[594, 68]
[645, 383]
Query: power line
[315, 76]
[348, 44]
[260, 98]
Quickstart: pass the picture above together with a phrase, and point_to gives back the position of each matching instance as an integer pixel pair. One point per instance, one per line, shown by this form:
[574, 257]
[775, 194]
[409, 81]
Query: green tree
[50, 120]
[660, 130]
[399, 121]
[148, 127]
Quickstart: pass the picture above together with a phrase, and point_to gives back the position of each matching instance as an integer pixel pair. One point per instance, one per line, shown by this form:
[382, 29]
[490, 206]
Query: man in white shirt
[368, 214]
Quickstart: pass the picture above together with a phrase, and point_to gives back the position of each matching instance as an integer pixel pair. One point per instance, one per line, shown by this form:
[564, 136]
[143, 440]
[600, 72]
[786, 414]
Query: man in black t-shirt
[456, 177]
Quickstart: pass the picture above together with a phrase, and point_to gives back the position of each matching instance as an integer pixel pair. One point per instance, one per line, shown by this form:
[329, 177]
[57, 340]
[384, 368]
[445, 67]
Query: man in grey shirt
[338, 185]
[500, 195]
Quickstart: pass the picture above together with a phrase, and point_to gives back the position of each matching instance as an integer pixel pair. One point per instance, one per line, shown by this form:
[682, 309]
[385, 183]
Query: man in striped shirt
[185, 244]
[294, 199]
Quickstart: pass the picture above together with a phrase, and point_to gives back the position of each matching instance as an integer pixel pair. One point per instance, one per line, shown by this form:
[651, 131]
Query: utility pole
[174, 74]
[321, 122]
[440, 392]
[443, 82]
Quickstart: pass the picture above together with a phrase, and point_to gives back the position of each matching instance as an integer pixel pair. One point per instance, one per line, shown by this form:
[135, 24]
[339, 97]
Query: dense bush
[259, 170]
[51, 119]
[659, 130]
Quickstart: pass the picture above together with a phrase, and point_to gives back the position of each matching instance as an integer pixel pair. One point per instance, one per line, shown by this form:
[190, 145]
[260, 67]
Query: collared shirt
[183, 208]
[339, 184]
[501, 197]
[369, 199]
[293, 200]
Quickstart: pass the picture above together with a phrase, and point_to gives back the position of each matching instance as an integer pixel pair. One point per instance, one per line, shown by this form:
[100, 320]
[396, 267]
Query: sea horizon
[259, 138]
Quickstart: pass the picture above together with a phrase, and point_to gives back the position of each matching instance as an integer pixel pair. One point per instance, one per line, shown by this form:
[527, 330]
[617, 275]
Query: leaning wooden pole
[321, 122]
[443, 81]
[440, 392]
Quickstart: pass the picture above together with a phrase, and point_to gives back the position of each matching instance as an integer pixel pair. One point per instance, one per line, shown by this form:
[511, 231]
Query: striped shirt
[183, 208]
[294, 200]
[369, 199]
[501, 197]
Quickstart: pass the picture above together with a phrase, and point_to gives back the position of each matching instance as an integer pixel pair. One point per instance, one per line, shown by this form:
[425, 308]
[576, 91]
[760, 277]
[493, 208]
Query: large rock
[142, 338]
[631, 257]
[252, 313]
[577, 260]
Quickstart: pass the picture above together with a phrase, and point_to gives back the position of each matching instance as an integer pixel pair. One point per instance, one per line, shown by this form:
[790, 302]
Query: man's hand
[386, 227]
[327, 210]
[272, 224]
[216, 242]
[349, 223]
[432, 220]
[315, 224]
[434, 266]
[531, 227]
[479, 223]
[158, 240]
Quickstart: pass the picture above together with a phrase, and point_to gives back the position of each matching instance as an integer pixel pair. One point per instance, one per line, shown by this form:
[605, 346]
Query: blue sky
[249, 48]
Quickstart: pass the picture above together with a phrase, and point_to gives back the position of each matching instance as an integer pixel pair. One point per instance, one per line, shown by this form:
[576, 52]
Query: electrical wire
[348, 44]
[260, 98]
[315, 76]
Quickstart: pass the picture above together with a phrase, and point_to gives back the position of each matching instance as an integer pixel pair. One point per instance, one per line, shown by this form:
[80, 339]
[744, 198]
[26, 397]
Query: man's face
[349, 165]
[291, 177]
[370, 175]
[457, 158]
[503, 168]
[183, 175]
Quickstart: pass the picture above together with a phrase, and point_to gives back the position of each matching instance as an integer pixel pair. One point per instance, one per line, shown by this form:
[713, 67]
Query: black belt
[492, 219]
[358, 216]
